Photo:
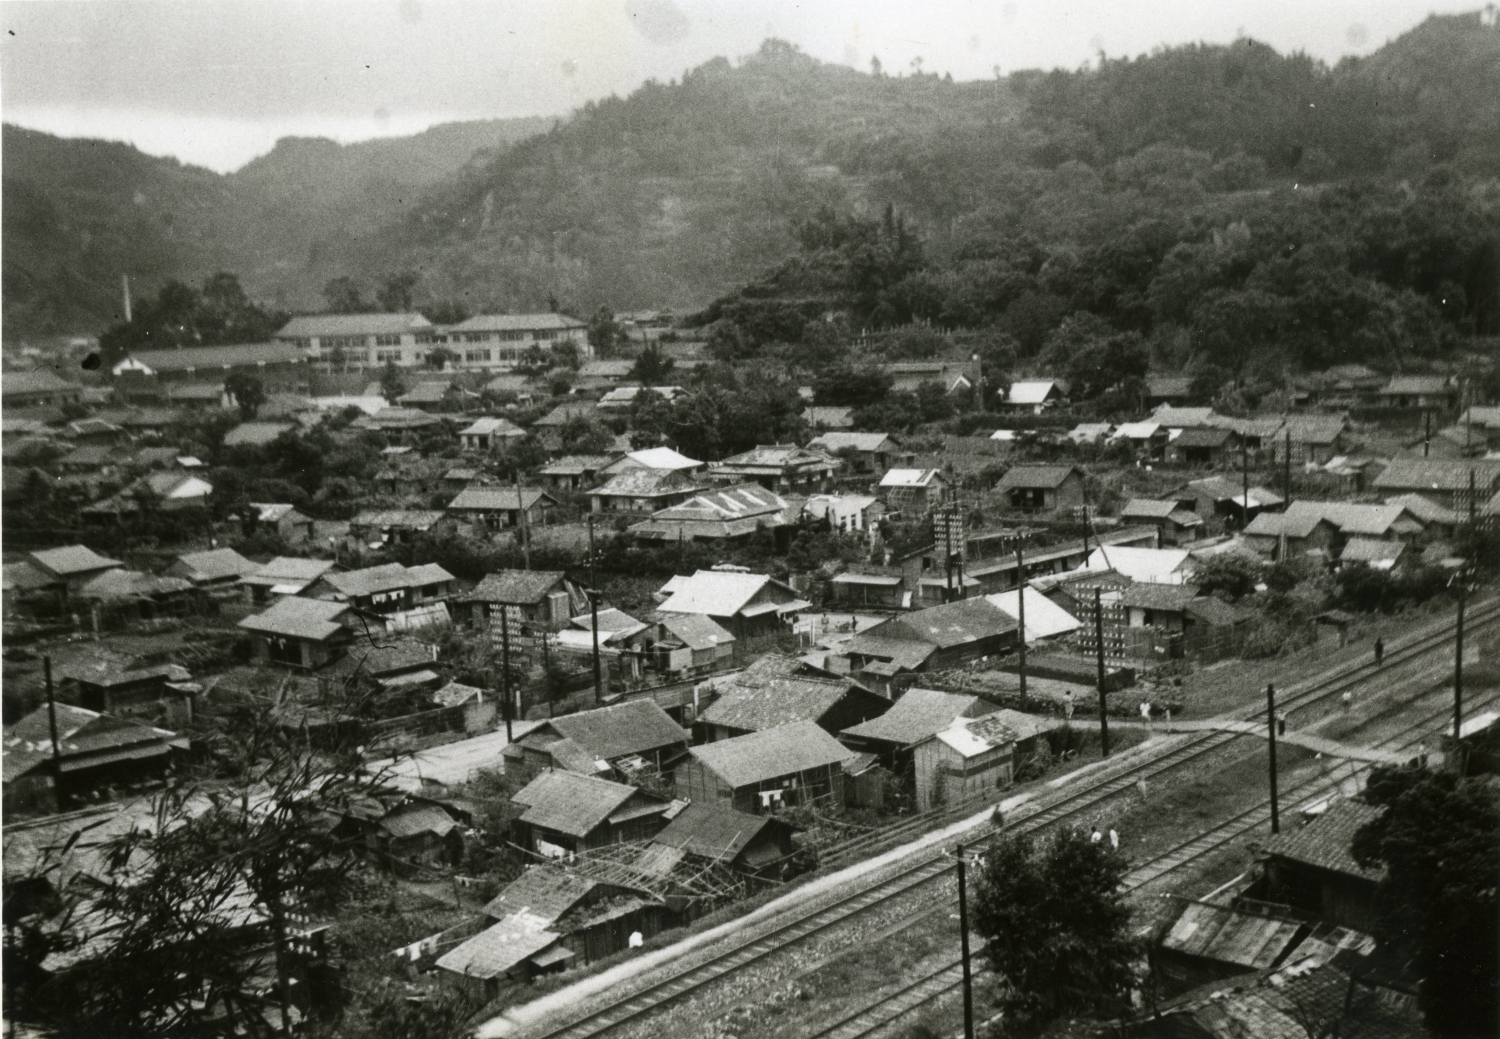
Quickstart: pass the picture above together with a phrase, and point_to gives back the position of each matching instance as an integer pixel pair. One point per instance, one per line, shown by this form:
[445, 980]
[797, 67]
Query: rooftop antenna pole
[1021, 599]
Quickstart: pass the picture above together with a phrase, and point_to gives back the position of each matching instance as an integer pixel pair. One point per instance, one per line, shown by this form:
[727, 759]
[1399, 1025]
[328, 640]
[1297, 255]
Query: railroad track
[1295, 699]
[949, 978]
[1028, 818]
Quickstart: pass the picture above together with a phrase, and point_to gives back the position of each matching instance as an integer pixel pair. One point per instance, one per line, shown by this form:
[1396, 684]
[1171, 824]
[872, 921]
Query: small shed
[1043, 488]
[566, 812]
[1312, 870]
[967, 760]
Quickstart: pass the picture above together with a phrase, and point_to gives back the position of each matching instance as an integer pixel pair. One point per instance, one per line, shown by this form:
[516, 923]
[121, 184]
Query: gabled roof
[71, 559]
[291, 570]
[632, 727]
[718, 593]
[517, 587]
[41, 380]
[1150, 565]
[1418, 384]
[1044, 618]
[565, 413]
[696, 631]
[1313, 429]
[397, 418]
[1277, 524]
[1202, 438]
[1481, 416]
[1375, 552]
[256, 434]
[1182, 418]
[910, 477]
[770, 753]
[426, 393]
[1136, 431]
[777, 457]
[387, 577]
[833, 443]
[410, 819]
[1325, 841]
[28, 742]
[131, 584]
[828, 417]
[1433, 474]
[571, 803]
[500, 949]
[228, 356]
[351, 325]
[1351, 517]
[490, 499]
[1037, 476]
[662, 458]
[499, 427]
[1220, 489]
[403, 519]
[1170, 597]
[314, 619]
[1088, 432]
[543, 891]
[952, 624]
[971, 737]
[645, 483]
[1033, 391]
[712, 831]
[774, 691]
[623, 395]
[575, 465]
[727, 503]
[272, 512]
[217, 564]
[919, 713]
[1148, 508]
[517, 323]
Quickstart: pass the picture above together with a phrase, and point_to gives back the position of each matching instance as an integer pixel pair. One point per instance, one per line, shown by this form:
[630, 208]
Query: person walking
[1114, 839]
[1096, 836]
[1379, 651]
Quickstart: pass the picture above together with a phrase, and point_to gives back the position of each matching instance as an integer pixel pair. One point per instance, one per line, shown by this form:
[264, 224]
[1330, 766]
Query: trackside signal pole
[1021, 610]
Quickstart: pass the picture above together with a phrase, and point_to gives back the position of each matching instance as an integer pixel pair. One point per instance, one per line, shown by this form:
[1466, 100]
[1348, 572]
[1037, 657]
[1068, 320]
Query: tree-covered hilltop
[1030, 197]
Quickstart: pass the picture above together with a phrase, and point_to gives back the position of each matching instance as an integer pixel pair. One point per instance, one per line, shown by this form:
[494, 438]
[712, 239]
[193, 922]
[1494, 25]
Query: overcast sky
[216, 82]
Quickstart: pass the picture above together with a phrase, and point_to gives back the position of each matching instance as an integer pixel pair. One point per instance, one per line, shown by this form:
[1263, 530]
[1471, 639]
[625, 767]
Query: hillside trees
[1438, 838]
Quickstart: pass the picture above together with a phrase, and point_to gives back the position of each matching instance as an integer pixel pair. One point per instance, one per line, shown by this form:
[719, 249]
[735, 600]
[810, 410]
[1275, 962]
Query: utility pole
[1286, 475]
[1085, 535]
[52, 715]
[505, 669]
[1021, 611]
[521, 520]
[593, 578]
[125, 289]
[1244, 478]
[1458, 660]
[1271, 729]
[963, 938]
[593, 594]
[1103, 703]
[1427, 436]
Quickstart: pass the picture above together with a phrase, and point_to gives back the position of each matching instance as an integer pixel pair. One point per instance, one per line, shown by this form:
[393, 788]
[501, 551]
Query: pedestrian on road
[1096, 836]
[1347, 698]
[1114, 839]
[1140, 786]
[1379, 651]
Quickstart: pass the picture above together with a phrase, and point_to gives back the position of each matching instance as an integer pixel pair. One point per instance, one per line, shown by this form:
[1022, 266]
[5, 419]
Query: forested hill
[78, 213]
[682, 191]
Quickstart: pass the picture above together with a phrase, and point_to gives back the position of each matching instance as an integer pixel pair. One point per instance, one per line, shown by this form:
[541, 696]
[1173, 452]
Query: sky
[217, 82]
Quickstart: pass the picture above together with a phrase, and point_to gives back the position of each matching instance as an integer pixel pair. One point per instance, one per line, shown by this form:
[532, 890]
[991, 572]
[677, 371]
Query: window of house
[545, 335]
[477, 356]
[394, 340]
[384, 356]
[513, 337]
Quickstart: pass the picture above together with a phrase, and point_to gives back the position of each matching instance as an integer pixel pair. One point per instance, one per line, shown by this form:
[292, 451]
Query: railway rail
[1300, 698]
[948, 978]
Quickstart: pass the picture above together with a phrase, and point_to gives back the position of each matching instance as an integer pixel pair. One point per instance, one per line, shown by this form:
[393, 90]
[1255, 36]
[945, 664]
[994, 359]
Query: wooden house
[1043, 488]
[567, 812]
[611, 742]
[969, 759]
[533, 598]
[300, 633]
[797, 763]
[1311, 869]
[776, 690]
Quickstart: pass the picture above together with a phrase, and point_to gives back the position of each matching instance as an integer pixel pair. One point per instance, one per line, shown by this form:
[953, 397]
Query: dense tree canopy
[1439, 841]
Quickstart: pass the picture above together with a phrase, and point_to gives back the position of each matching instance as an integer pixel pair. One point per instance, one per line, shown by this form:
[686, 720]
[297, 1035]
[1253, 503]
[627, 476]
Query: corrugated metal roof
[711, 831]
[1219, 933]
[543, 891]
[351, 324]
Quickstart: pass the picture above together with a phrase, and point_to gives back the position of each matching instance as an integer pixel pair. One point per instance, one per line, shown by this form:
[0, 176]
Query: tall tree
[343, 296]
[248, 391]
[396, 295]
[392, 382]
[1057, 926]
[1439, 841]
